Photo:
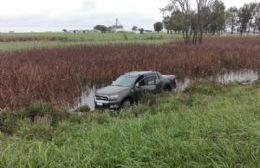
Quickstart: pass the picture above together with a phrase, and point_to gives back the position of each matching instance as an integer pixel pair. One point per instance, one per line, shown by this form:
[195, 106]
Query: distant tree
[217, 16]
[101, 28]
[202, 12]
[158, 26]
[184, 6]
[134, 28]
[231, 18]
[176, 21]
[193, 23]
[167, 24]
[257, 18]
[110, 29]
[141, 30]
[258, 23]
[65, 30]
[244, 16]
[255, 12]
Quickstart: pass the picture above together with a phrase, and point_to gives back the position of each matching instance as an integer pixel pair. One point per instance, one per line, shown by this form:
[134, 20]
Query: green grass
[23, 41]
[84, 37]
[206, 126]
[10, 42]
[18, 46]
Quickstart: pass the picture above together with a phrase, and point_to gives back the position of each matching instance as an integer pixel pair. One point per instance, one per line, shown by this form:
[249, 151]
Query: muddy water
[242, 76]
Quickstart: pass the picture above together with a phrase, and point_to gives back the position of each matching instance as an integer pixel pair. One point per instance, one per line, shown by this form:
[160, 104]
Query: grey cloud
[78, 20]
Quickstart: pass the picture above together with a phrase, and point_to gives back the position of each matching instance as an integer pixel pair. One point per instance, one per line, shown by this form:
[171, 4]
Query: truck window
[140, 80]
[158, 75]
[150, 80]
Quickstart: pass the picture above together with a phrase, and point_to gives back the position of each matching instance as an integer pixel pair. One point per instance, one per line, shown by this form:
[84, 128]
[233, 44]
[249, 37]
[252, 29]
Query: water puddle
[243, 76]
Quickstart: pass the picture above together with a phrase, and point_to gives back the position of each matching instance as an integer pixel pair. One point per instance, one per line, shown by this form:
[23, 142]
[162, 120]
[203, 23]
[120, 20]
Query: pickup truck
[130, 87]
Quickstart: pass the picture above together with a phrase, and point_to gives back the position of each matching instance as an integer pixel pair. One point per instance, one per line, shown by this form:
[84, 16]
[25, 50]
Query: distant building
[114, 28]
[76, 31]
[148, 31]
[117, 27]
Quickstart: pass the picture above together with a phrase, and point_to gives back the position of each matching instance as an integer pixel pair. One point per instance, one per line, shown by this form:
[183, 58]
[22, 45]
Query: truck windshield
[125, 81]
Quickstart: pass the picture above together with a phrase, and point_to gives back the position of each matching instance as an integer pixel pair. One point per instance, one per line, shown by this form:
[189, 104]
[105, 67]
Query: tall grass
[209, 126]
[58, 75]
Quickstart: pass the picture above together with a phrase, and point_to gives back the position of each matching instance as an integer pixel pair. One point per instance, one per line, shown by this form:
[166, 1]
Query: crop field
[66, 37]
[28, 45]
[24, 41]
[58, 75]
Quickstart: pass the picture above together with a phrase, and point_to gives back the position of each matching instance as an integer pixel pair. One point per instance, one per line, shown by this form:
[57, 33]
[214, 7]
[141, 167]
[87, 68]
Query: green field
[23, 41]
[17, 46]
[208, 125]
[10, 42]
[82, 37]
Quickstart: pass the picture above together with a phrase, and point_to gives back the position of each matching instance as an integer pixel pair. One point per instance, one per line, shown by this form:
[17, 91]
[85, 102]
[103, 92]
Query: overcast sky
[54, 15]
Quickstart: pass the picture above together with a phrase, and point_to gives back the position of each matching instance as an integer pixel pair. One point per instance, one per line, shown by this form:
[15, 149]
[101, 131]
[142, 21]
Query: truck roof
[138, 73]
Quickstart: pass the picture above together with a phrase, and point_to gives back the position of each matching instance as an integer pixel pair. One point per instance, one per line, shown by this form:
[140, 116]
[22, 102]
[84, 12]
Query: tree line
[209, 17]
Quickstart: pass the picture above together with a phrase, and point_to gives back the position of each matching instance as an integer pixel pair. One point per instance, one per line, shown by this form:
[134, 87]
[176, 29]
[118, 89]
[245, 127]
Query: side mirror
[137, 85]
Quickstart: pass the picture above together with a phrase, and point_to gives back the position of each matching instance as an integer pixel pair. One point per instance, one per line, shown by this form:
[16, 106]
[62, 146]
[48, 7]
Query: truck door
[150, 83]
[146, 84]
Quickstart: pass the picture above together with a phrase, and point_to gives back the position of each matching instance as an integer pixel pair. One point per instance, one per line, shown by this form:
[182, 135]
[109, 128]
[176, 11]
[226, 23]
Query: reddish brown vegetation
[57, 75]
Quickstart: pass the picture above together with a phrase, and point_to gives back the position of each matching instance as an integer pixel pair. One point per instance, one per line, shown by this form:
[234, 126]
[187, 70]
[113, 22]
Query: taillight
[174, 84]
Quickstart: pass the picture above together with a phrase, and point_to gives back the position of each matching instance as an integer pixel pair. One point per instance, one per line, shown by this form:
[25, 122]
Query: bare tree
[185, 7]
[193, 21]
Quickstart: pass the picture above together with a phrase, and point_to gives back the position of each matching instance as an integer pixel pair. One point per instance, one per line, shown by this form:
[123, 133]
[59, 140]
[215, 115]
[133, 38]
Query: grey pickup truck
[130, 87]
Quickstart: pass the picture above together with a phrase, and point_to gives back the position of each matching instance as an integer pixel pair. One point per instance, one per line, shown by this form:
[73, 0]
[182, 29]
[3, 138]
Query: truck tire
[126, 103]
[167, 88]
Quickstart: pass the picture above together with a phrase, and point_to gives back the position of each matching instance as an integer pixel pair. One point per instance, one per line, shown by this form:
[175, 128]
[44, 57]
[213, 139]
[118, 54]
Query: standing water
[244, 76]
[86, 99]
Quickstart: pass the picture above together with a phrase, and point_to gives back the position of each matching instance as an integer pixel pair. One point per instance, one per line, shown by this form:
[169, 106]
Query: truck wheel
[167, 88]
[126, 103]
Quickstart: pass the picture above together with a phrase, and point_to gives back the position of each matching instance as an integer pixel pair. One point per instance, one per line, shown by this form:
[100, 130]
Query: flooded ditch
[243, 77]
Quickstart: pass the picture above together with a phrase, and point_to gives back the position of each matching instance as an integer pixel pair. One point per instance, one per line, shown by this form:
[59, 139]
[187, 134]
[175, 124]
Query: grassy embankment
[23, 41]
[206, 126]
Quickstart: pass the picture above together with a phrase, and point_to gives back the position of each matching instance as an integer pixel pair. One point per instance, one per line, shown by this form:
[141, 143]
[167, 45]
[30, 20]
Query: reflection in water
[182, 84]
[86, 98]
[243, 76]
